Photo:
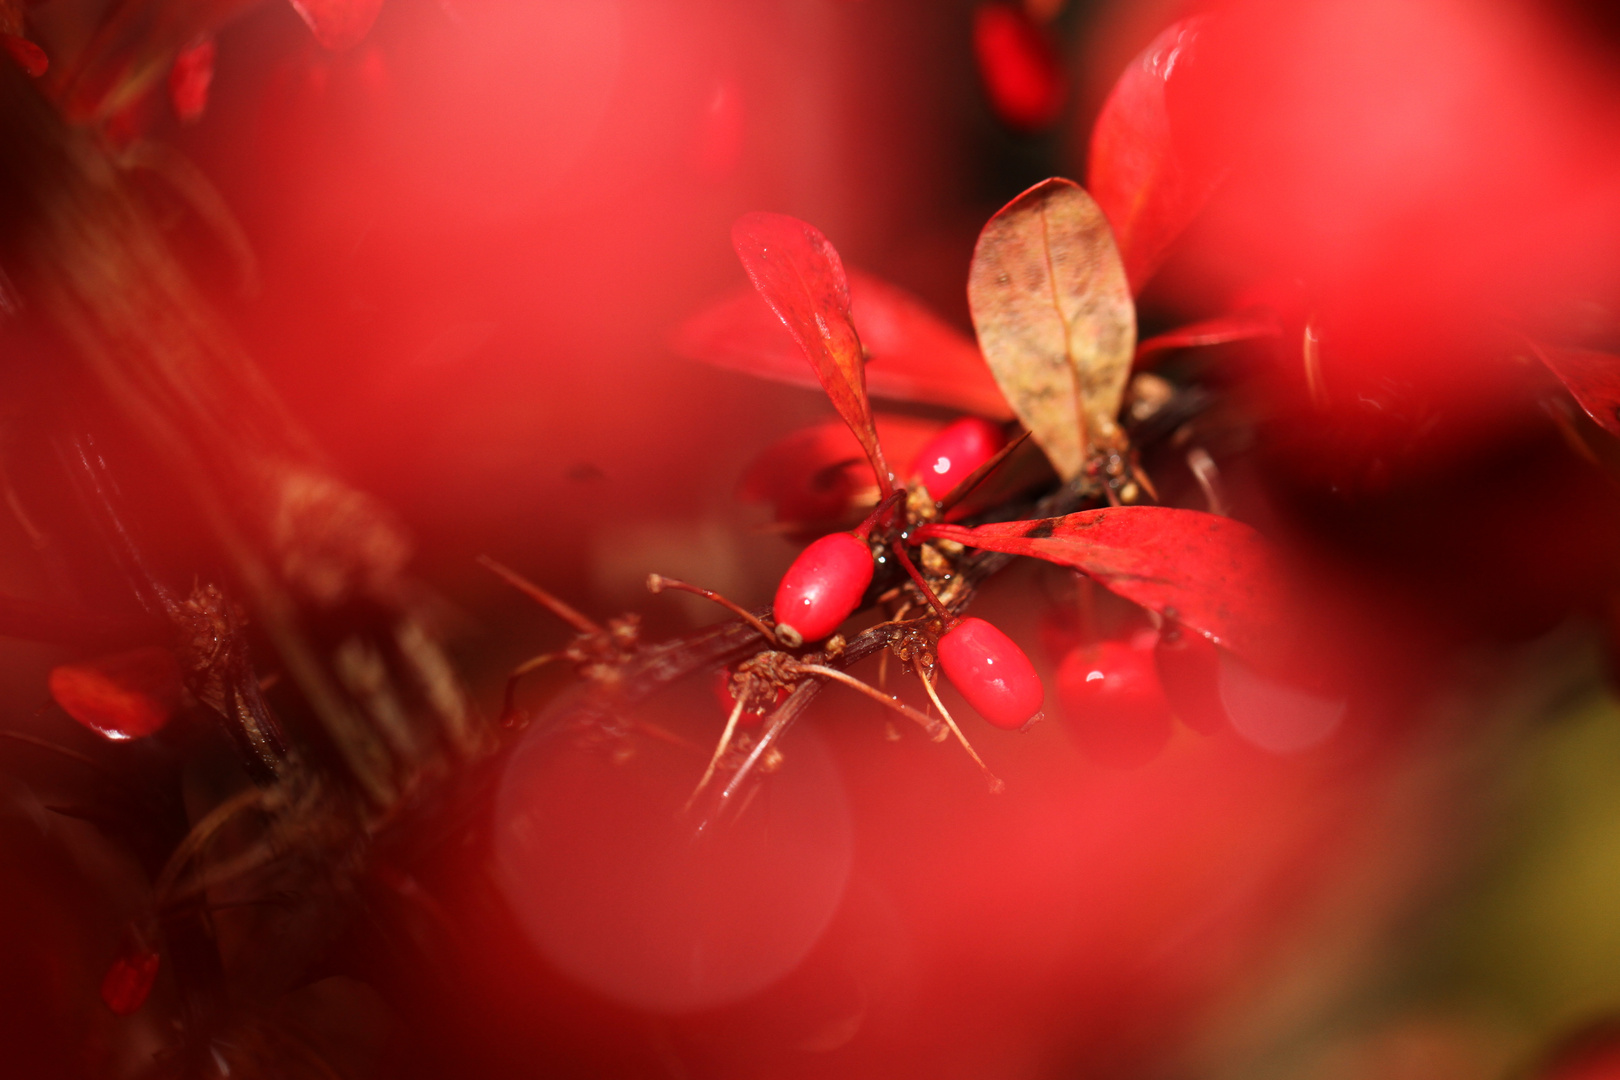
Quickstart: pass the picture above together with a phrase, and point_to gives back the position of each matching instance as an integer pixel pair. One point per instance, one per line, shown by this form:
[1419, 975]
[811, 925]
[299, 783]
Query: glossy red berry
[951, 456]
[822, 588]
[1113, 703]
[989, 669]
[1188, 665]
[129, 980]
[122, 696]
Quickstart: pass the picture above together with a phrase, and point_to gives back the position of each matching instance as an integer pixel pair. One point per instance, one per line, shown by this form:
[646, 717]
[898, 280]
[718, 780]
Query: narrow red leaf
[1243, 326]
[190, 77]
[122, 696]
[1208, 573]
[338, 24]
[802, 278]
[28, 56]
[816, 477]
[1019, 65]
[912, 354]
[129, 980]
[1591, 377]
[1136, 171]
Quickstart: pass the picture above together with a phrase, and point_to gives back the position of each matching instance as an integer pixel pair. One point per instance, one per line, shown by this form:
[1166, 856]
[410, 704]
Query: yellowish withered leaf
[1053, 311]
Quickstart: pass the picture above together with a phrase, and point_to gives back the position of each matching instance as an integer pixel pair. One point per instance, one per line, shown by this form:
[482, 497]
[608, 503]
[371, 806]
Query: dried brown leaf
[1053, 311]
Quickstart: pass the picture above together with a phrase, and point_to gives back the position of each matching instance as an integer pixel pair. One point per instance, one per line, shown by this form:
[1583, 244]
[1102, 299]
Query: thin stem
[719, 751]
[43, 744]
[928, 593]
[996, 786]
[509, 699]
[657, 583]
[864, 529]
[267, 799]
[932, 727]
[977, 476]
[1208, 475]
[540, 596]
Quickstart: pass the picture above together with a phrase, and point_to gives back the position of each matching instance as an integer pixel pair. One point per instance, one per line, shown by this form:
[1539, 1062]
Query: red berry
[28, 56]
[951, 456]
[190, 77]
[823, 587]
[1114, 704]
[1188, 664]
[122, 696]
[989, 669]
[129, 981]
[1021, 69]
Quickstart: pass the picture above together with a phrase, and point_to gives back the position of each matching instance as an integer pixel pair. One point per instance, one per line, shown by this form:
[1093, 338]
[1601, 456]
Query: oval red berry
[1021, 69]
[122, 696]
[989, 669]
[823, 587]
[28, 56]
[951, 456]
[1188, 664]
[129, 980]
[1113, 703]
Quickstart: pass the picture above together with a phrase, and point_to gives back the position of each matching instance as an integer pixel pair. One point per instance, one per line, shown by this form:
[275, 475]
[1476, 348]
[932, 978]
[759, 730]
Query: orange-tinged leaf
[802, 278]
[1136, 171]
[121, 696]
[1591, 377]
[338, 24]
[1210, 574]
[912, 354]
[1055, 319]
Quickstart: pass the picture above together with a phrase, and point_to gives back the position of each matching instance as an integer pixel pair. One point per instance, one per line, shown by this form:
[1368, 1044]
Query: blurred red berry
[1019, 66]
[1114, 704]
[190, 78]
[28, 56]
[129, 981]
[1188, 665]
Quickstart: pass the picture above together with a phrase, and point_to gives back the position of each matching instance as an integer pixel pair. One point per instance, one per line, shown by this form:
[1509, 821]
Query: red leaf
[913, 355]
[1243, 326]
[122, 696]
[1208, 573]
[190, 77]
[338, 24]
[1020, 67]
[802, 278]
[1592, 378]
[30, 57]
[1137, 172]
[129, 981]
[815, 478]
